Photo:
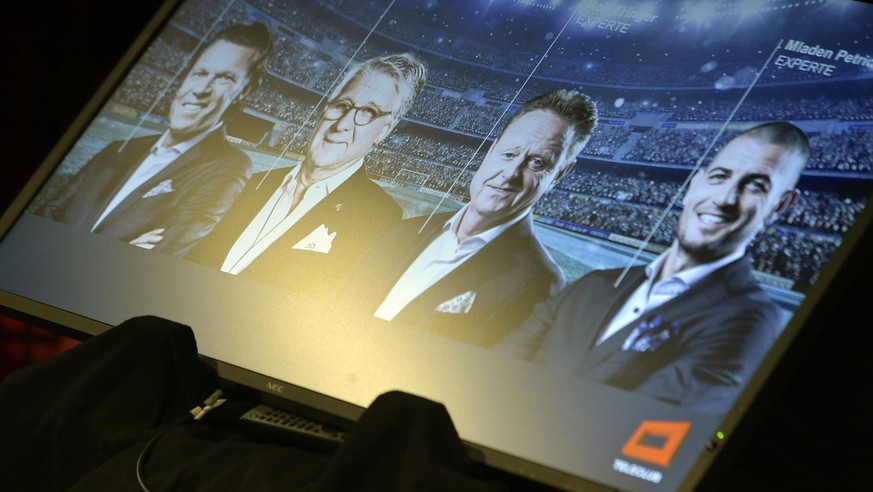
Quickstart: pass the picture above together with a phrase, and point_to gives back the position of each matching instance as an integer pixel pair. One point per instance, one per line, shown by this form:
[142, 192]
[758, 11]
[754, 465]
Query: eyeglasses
[364, 115]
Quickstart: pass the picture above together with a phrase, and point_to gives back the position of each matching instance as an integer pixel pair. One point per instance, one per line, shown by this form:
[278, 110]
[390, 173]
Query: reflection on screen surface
[352, 217]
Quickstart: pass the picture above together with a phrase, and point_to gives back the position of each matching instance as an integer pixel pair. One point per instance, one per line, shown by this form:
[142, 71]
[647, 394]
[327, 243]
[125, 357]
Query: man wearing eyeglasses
[302, 229]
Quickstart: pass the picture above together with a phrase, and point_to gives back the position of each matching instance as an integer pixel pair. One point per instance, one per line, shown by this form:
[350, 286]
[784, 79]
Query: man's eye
[536, 164]
[757, 186]
[369, 113]
[341, 105]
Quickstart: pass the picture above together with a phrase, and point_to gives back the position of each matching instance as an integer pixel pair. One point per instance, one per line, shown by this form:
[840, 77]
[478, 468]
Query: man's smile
[502, 188]
[193, 106]
[713, 218]
[334, 139]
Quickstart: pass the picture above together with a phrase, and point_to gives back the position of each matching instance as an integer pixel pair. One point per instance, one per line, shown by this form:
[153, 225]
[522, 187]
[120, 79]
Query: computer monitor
[672, 85]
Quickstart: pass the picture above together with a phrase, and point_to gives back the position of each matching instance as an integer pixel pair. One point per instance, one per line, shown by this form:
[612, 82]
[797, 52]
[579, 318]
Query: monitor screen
[590, 229]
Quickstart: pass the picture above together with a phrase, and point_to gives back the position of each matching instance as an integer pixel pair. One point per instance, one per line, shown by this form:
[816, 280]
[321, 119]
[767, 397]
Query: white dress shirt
[276, 217]
[444, 254]
[158, 158]
[648, 296]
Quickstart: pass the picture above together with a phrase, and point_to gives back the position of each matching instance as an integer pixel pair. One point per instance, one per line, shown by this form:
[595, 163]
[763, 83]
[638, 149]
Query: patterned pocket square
[318, 240]
[458, 305]
[649, 335]
[165, 186]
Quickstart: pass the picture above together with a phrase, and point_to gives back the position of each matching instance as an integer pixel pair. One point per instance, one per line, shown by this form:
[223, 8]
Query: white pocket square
[458, 305]
[165, 186]
[318, 241]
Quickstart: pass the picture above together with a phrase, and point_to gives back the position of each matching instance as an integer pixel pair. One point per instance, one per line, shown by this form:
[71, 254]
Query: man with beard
[691, 327]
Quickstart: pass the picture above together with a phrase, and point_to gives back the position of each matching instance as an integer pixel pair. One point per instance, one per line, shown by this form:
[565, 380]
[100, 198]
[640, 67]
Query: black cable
[195, 413]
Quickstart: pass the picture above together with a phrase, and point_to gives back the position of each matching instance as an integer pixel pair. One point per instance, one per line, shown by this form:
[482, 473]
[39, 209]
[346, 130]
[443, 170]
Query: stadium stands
[653, 120]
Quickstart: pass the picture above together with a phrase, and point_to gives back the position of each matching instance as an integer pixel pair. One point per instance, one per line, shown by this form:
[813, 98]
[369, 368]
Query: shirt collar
[485, 236]
[694, 274]
[330, 183]
[186, 145]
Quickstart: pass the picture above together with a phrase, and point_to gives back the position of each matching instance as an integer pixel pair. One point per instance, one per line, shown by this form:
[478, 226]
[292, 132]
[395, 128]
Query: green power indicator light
[719, 435]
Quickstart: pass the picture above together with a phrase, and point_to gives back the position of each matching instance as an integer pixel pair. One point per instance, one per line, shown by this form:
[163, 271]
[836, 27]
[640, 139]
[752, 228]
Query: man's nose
[513, 169]
[346, 121]
[726, 195]
[202, 85]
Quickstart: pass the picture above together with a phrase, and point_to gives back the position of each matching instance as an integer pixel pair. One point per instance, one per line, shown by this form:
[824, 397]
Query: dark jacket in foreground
[82, 421]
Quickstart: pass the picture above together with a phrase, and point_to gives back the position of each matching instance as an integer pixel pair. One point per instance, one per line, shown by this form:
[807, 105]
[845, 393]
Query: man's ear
[247, 89]
[386, 130]
[563, 172]
[787, 199]
[244, 93]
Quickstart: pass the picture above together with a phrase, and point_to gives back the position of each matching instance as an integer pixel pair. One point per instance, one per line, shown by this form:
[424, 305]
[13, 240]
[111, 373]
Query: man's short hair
[780, 133]
[783, 134]
[406, 69]
[255, 36]
[575, 107]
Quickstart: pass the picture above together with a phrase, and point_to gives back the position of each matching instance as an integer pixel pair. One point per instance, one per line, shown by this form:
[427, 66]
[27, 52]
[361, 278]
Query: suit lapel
[490, 264]
[173, 172]
[601, 318]
[328, 207]
[714, 289]
[215, 248]
[386, 260]
[126, 162]
[187, 164]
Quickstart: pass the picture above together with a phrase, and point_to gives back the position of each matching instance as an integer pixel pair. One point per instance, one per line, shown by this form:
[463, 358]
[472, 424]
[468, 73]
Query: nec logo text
[275, 388]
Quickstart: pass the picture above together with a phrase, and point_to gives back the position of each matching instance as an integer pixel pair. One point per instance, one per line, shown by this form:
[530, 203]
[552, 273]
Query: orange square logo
[656, 441]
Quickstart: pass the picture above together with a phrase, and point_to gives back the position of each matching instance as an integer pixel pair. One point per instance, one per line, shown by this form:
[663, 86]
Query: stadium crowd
[468, 97]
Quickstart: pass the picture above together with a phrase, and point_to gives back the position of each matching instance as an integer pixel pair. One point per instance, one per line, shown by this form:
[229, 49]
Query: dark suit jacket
[187, 198]
[697, 350]
[509, 275]
[358, 210]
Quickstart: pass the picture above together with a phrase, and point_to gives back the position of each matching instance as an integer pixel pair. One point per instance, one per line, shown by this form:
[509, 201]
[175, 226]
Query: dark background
[811, 431]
